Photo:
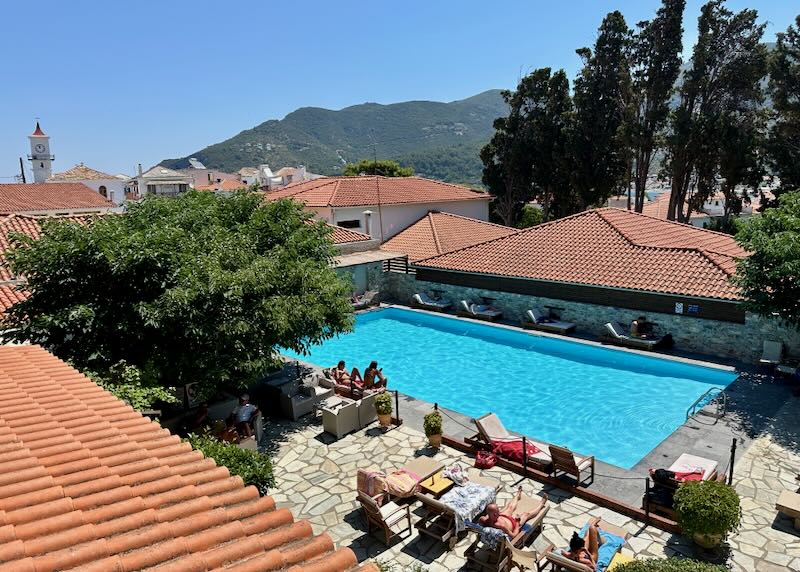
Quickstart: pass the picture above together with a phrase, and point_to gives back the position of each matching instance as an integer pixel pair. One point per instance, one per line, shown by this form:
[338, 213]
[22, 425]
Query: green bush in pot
[707, 510]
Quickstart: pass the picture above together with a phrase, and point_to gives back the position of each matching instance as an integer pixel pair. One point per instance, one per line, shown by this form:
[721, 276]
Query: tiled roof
[89, 484]
[16, 198]
[440, 232]
[612, 248]
[10, 295]
[224, 185]
[80, 172]
[366, 191]
[341, 235]
[659, 207]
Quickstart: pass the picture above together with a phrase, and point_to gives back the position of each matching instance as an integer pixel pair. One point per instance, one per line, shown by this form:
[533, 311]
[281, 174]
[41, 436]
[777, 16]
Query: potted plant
[707, 510]
[432, 424]
[383, 407]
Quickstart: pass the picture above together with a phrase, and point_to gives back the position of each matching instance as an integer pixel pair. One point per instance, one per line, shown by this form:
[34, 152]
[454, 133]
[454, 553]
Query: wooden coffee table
[436, 485]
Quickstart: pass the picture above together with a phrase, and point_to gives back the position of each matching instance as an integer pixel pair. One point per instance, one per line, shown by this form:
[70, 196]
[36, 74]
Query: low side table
[436, 485]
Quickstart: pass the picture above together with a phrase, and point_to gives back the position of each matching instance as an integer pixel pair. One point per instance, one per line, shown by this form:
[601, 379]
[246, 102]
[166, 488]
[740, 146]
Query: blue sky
[122, 82]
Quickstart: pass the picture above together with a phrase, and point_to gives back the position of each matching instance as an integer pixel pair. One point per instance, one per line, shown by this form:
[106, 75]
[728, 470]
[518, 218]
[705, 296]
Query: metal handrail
[722, 404]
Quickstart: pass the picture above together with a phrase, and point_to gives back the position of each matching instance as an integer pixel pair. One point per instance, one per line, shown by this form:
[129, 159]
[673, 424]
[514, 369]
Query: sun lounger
[568, 462]
[773, 353]
[686, 463]
[532, 558]
[616, 334]
[535, 320]
[491, 429]
[607, 556]
[425, 302]
[496, 558]
[365, 300]
[478, 311]
[373, 481]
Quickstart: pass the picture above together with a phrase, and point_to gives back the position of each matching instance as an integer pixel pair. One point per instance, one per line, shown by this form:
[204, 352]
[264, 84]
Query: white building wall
[395, 218]
[115, 188]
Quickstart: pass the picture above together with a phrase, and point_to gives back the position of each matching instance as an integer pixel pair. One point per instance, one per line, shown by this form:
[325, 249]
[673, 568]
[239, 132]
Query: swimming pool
[613, 404]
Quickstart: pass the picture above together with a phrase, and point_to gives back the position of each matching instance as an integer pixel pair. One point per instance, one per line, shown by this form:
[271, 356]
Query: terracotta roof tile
[367, 191]
[224, 185]
[80, 172]
[341, 235]
[93, 485]
[612, 248]
[34, 197]
[440, 232]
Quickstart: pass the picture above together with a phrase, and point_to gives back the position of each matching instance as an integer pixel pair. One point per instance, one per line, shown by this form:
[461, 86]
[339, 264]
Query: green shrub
[707, 507]
[432, 423]
[255, 468]
[383, 403]
[670, 565]
[133, 386]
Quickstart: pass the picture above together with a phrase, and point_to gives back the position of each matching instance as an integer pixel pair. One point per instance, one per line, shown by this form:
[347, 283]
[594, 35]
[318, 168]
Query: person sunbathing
[584, 550]
[373, 377]
[505, 519]
[341, 377]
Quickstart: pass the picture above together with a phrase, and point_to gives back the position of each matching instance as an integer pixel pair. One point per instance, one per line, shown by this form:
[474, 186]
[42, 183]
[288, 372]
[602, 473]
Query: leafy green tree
[655, 65]
[721, 87]
[130, 384]
[379, 167]
[531, 216]
[200, 288]
[783, 146]
[602, 97]
[770, 276]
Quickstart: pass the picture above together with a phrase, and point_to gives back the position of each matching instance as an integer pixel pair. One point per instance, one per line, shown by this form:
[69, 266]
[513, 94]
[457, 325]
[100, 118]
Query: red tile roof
[87, 483]
[341, 235]
[612, 248]
[20, 198]
[10, 295]
[439, 232]
[81, 172]
[38, 131]
[367, 191]
[224, 185]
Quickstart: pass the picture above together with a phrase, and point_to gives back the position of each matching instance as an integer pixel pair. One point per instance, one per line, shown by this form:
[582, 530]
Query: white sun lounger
[687, 463]
[535, 320]
[478, 311]
[422, 300]
[616, 333]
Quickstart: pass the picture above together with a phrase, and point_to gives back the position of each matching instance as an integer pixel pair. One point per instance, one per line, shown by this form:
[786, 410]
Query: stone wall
[364, 277]
[710, 337]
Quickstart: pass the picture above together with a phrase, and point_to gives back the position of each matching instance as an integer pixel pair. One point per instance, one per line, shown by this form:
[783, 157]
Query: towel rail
[721, 400]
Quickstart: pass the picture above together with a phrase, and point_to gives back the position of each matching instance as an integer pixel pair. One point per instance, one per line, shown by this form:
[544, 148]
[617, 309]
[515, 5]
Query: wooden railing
[399, 265]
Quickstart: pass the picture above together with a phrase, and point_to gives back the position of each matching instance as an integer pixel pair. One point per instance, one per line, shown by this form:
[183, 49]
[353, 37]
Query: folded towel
[456, 474]
[513, 449]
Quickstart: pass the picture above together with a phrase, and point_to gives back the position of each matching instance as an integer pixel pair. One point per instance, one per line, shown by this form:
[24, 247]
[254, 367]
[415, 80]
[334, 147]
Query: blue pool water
[613, 404]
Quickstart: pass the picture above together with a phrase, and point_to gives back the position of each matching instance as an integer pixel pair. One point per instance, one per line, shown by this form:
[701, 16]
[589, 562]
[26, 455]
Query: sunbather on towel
[505, 519]
[584, 549]
[373, 377]
[341, 376]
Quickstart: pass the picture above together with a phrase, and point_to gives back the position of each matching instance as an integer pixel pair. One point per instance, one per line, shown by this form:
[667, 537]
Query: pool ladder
[720, 398]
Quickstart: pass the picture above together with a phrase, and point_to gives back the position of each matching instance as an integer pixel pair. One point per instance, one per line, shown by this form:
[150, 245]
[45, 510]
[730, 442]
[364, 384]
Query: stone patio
[316, 477]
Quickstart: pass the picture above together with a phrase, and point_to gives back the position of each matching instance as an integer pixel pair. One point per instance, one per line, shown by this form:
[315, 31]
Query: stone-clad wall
[711, 337]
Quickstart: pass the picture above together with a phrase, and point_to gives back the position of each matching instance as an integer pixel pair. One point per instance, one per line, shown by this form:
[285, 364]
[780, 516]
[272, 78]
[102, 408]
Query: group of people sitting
[373, 377]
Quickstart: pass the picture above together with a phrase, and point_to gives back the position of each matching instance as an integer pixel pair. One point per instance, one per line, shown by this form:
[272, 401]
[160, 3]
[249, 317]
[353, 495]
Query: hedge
[670, 565]
[255, 468]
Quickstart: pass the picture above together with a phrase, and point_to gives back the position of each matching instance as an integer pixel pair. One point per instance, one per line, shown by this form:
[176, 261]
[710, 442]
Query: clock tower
[40, 157]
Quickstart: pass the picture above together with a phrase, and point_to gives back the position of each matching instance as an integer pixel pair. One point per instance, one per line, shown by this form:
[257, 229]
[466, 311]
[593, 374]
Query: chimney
[139, 169]
[368, 222]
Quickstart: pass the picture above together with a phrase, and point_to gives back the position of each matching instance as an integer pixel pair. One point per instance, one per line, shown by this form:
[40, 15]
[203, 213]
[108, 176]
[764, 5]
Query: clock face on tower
[39, 148]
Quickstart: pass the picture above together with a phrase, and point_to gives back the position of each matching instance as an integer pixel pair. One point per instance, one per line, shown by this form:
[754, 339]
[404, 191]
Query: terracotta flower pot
[385, 420]
[435, 441]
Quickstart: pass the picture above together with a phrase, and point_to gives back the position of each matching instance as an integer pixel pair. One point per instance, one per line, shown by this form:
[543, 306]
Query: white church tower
[40, 157]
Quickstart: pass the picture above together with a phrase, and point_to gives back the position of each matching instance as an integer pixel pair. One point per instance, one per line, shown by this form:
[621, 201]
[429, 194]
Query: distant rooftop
[80, 172]
[38, 197]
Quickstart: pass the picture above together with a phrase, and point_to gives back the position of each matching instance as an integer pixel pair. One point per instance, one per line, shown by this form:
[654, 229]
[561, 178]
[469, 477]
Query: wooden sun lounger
[490, 428]
[561, 562]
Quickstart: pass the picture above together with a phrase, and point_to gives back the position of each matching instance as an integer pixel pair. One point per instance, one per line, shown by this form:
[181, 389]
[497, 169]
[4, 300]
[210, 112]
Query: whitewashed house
[108, 186]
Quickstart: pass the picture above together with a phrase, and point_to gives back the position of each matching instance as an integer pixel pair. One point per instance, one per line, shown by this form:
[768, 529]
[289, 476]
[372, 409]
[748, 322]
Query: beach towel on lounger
[402, 483]
[611, 545]
[513, 449]
[467, 502]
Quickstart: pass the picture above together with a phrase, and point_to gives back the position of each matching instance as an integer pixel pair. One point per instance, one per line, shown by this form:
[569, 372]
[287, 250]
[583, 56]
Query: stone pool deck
[316, 476]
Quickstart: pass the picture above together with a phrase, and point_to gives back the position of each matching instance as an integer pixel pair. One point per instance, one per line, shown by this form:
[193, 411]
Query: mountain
[439, 140]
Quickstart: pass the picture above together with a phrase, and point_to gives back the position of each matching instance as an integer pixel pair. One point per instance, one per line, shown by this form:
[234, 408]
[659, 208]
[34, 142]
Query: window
[349, 223]
[103, 191]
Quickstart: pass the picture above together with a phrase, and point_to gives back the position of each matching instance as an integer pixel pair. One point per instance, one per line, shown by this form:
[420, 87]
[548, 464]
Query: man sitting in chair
[243, 415]
[505, 519]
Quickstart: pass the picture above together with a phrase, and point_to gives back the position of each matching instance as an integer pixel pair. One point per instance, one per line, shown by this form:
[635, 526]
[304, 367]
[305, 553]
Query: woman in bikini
[584, 550]
[370, 375]
[506, 519]
[341, 376]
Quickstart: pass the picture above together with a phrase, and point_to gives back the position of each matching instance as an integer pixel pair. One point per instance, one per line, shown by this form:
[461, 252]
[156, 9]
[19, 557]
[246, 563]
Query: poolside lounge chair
[385, 517]
[659, 497]
[617, 334]
[365, 300]
[425, 302]
[438, 522]
[531, 558]
[535, 320]
[568, 462]
[773, 353]
[561, 562]
[422, 467]
[491, 429]
[686, 463]
[497, 558]
[478, 311]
